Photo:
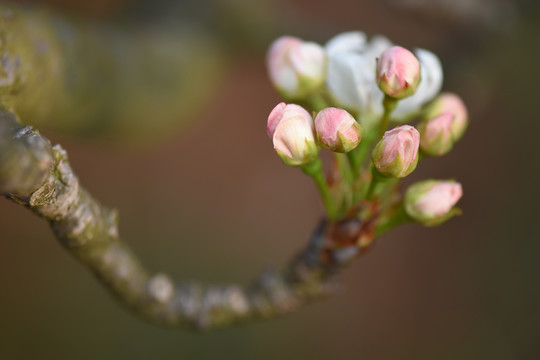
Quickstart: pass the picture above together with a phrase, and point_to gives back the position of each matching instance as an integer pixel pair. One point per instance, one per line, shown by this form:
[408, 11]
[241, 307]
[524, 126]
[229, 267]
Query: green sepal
[395, 169]
[310, 155]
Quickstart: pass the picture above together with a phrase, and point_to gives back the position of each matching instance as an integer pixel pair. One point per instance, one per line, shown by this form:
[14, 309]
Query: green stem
[354, 163]
[357, 157]
[389, 104]
[317, 102]
[363, 149]
[400, 217]
[314, 169]
[376, 179]
[347, 193]
[345, 167]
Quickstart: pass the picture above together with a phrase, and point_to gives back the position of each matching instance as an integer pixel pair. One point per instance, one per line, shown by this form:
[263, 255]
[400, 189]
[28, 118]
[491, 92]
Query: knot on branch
[25, 158]
[55, 198]
[61, 200]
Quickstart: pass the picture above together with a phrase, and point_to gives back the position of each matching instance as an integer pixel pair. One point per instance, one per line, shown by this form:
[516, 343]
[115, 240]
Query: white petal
[308, 59]
[344, 80]
[286, 79]
[377, 45]
[352, 41]
[432, 71]
[373, 107]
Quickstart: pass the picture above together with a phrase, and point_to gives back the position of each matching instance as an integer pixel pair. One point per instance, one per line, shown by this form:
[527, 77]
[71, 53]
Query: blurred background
[210, 200]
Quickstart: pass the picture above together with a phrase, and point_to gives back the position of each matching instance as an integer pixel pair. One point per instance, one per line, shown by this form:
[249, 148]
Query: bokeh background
[210, 200]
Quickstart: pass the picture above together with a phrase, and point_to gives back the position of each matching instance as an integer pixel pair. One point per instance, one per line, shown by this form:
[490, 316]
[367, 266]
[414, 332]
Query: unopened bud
[398, 72]
[396, 155]
[452, 103]
[436, 137]
[431, 202]
[296, 67]
[292, 132]
[337, 130]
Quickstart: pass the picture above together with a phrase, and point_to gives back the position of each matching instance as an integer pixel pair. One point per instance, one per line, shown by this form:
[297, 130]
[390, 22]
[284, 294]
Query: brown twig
[38, 176]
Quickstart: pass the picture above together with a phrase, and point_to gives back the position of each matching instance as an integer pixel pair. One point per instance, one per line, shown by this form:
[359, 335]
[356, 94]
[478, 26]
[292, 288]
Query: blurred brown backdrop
[213, 202]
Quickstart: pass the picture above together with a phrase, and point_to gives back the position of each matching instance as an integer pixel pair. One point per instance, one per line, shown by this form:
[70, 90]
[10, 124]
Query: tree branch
[38, 176]
[105, 76]
[25, 157]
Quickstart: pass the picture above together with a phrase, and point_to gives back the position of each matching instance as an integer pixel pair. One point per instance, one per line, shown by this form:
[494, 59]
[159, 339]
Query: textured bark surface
[39, 177]
[85, 76]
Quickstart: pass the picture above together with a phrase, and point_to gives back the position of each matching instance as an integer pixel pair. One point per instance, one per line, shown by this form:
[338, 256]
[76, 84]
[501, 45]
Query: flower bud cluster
[294, 132]
[353, 81]
[383, 86]
[355, 73]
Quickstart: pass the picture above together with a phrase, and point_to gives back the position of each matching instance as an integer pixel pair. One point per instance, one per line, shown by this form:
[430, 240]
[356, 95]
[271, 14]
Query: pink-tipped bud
[398, 72]
[292, 132]
[431, 202]
[452, 103]
[337, 130]
[396, 154]
[436, 137]
[296, 68]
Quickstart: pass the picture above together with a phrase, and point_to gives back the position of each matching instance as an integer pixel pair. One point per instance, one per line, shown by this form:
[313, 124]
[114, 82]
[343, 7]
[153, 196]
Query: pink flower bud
[436, 134]
[452, 103]
[431, 202]
[292, 132]
[274, 118]
[398, 72]
[396, 155]
[296, 68]
[337, 130]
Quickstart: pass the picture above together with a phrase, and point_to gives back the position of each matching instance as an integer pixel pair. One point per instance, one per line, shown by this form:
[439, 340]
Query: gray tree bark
[38, 176]
[53, 71]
